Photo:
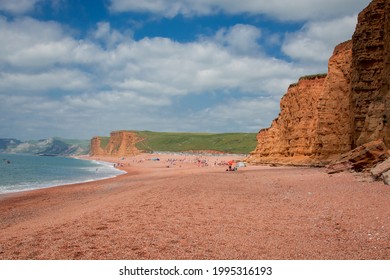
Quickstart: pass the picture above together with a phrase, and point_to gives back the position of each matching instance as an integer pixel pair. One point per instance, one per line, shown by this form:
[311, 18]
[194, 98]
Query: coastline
[50, 183]
[179, 210]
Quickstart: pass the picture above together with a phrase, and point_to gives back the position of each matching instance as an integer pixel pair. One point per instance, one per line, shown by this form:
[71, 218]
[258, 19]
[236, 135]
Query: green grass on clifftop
[238, 143]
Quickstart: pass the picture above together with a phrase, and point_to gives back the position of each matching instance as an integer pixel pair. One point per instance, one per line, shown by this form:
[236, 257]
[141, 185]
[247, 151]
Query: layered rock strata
[121, 143]
[321, 118]
[370, 90]
[314, 120]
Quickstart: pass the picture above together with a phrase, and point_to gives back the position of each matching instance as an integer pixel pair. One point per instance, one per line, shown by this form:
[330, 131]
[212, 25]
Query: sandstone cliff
[121, 143]
[96, 147]
[370, 92]
[292, 134]
[314, 119]
[322, 118]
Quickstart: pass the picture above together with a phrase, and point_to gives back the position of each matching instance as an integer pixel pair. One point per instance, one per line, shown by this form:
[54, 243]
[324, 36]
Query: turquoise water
[26, 172]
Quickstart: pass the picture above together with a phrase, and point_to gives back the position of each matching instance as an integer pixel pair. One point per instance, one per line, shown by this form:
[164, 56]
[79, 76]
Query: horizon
[77, 69]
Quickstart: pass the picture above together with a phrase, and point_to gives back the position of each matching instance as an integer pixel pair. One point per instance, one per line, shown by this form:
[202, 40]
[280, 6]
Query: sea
[22, 172]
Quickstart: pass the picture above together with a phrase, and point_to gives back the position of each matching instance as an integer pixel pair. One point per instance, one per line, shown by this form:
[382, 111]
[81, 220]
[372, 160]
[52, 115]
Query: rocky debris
[382, 171]
[380, 168]
[363, 158]
[339, 167]
[385, 176]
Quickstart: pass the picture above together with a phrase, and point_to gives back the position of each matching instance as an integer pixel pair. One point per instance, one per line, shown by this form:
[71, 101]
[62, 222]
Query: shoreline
[176, 209]
[123, 164]
[51, 184]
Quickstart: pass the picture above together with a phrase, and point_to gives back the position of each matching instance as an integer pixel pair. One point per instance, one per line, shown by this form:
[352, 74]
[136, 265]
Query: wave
[88, 171]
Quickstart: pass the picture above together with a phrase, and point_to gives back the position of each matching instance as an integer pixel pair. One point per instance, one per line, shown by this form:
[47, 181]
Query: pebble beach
[190, 208]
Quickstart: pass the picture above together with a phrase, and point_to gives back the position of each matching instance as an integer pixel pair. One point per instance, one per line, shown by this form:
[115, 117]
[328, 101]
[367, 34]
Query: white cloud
[28, 42]
[58, 79]
[280, 9]
[110, 37]
[316, 40]
[18, 6]
[78, 88]
[242, 39]
[235, 115]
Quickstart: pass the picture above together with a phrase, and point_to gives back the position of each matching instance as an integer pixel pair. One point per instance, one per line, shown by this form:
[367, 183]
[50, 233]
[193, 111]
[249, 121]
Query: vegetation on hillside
[309, 77]
[181, 141]
[313, 77]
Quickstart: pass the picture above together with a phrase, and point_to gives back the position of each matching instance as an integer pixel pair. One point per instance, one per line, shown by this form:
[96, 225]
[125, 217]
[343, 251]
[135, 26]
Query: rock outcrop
[364, 157]
[121, 143]
[314, 120]
[333, 133]
[96, 148]
[370, 91]
[292, 134]
[323, 117]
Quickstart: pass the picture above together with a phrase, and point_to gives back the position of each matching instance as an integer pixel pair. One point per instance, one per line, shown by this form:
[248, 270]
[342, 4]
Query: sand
[183, 210]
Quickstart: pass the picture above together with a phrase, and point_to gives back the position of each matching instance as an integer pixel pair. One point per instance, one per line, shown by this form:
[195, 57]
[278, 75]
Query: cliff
[314, 120]
[292, 134]
[96, 147]
[323, 117]
[128, 143]
[120, 143]
[370, 90]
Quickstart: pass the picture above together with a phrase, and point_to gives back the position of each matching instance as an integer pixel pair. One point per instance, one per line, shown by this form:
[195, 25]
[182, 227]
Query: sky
[83, 68]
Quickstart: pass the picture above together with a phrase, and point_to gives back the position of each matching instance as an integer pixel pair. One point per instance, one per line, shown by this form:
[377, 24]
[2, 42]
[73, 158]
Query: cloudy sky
[80, 68]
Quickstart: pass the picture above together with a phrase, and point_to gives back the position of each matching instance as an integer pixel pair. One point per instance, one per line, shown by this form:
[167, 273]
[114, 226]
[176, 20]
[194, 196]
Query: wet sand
[183, 209]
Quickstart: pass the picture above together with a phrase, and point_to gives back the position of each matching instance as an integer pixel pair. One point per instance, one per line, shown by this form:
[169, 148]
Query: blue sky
[77, 69]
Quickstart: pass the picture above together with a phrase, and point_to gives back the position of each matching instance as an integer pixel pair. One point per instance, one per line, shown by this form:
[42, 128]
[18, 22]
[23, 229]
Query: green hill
[238, 143]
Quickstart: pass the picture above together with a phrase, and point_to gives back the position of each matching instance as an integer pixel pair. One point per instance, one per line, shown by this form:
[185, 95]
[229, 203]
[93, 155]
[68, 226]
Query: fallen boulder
[361, 159]
[386, 177]
[380, 168]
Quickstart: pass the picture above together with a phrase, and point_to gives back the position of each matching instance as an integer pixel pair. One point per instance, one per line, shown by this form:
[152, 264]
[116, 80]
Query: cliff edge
[120, 143]
[324, 116]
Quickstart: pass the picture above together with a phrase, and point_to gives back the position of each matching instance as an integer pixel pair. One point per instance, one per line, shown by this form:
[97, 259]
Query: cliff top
[149, 141]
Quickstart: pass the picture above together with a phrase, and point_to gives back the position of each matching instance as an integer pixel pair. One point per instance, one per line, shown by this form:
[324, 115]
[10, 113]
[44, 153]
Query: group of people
[231, 166]
[183, 160]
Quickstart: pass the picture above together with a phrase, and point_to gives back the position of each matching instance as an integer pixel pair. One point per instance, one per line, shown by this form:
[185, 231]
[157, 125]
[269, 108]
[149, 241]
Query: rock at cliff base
[380, 168]
[362, 158]
[386, 177]
[339, 167]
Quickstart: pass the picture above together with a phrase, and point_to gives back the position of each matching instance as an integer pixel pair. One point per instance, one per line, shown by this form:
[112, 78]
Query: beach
[188, 207]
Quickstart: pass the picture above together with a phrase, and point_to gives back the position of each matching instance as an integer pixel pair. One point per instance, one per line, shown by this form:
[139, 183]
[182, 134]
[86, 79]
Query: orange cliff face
[325, 117]
[314, 120]
[96, 149]
[333, 127]
[370, 89]
[292, 134]
[121, 143]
